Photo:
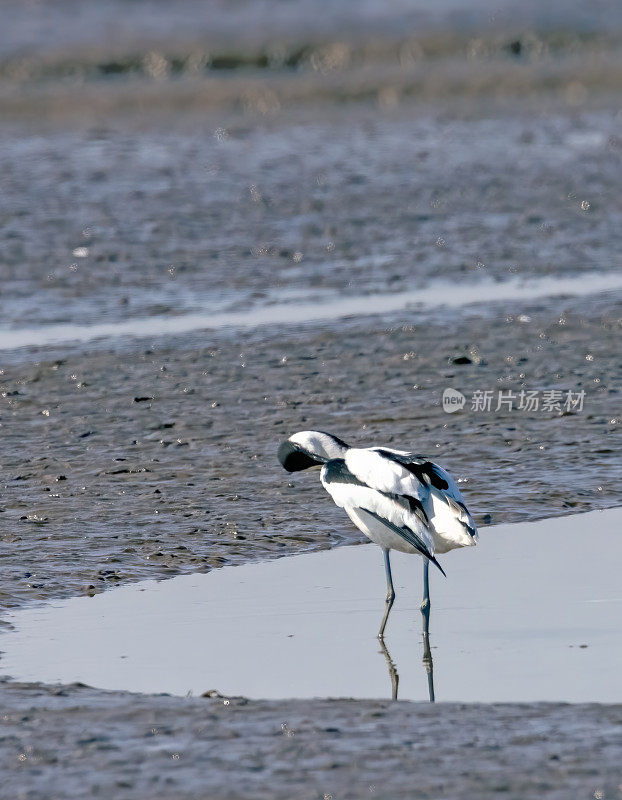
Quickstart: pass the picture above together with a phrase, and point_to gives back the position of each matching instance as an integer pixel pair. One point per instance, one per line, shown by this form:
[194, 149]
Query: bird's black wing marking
[335, 471]
[425, 471]
[431, 475]
[409, 536]
[416, 508]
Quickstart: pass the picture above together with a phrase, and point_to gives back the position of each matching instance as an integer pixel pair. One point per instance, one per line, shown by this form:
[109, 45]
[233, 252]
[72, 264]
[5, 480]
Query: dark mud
[75, 742]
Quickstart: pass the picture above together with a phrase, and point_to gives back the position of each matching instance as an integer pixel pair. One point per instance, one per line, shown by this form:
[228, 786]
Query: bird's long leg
[393, 673]
[425, 605]
[425, 612]
[390, 593]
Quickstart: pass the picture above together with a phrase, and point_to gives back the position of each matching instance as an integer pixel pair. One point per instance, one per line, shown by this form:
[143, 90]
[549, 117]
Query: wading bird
[399, 500]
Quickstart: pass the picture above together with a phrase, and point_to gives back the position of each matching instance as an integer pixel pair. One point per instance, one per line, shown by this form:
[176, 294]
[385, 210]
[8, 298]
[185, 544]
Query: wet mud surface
[363, 167]
[73, 742]
[203, 214]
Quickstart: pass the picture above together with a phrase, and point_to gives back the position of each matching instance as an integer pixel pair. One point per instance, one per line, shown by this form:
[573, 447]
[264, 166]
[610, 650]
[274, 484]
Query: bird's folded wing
[443, 504]
[403, 515]
[380, 469]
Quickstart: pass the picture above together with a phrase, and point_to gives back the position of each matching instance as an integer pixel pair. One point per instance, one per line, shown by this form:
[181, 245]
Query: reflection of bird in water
[399, 500]
[394, 674]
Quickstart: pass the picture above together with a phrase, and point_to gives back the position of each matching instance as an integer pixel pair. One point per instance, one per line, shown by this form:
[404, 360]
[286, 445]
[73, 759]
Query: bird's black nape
[295, 459]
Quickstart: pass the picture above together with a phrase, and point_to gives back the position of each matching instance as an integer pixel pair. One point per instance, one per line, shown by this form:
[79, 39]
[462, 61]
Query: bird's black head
[308, 449]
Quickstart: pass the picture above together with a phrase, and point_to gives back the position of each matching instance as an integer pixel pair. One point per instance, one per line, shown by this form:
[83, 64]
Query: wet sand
[73, 742]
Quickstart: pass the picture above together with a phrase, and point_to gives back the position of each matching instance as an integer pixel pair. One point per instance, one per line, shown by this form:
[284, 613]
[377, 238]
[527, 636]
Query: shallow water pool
[533, 613]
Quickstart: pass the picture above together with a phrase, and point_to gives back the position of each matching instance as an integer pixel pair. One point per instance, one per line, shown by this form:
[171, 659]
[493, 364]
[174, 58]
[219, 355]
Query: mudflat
[232, 165]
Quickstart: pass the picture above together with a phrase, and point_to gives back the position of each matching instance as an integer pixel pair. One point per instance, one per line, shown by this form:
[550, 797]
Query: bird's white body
[387, 488]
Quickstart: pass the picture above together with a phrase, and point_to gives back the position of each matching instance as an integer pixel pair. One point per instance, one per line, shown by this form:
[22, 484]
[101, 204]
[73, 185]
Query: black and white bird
[400, 500]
